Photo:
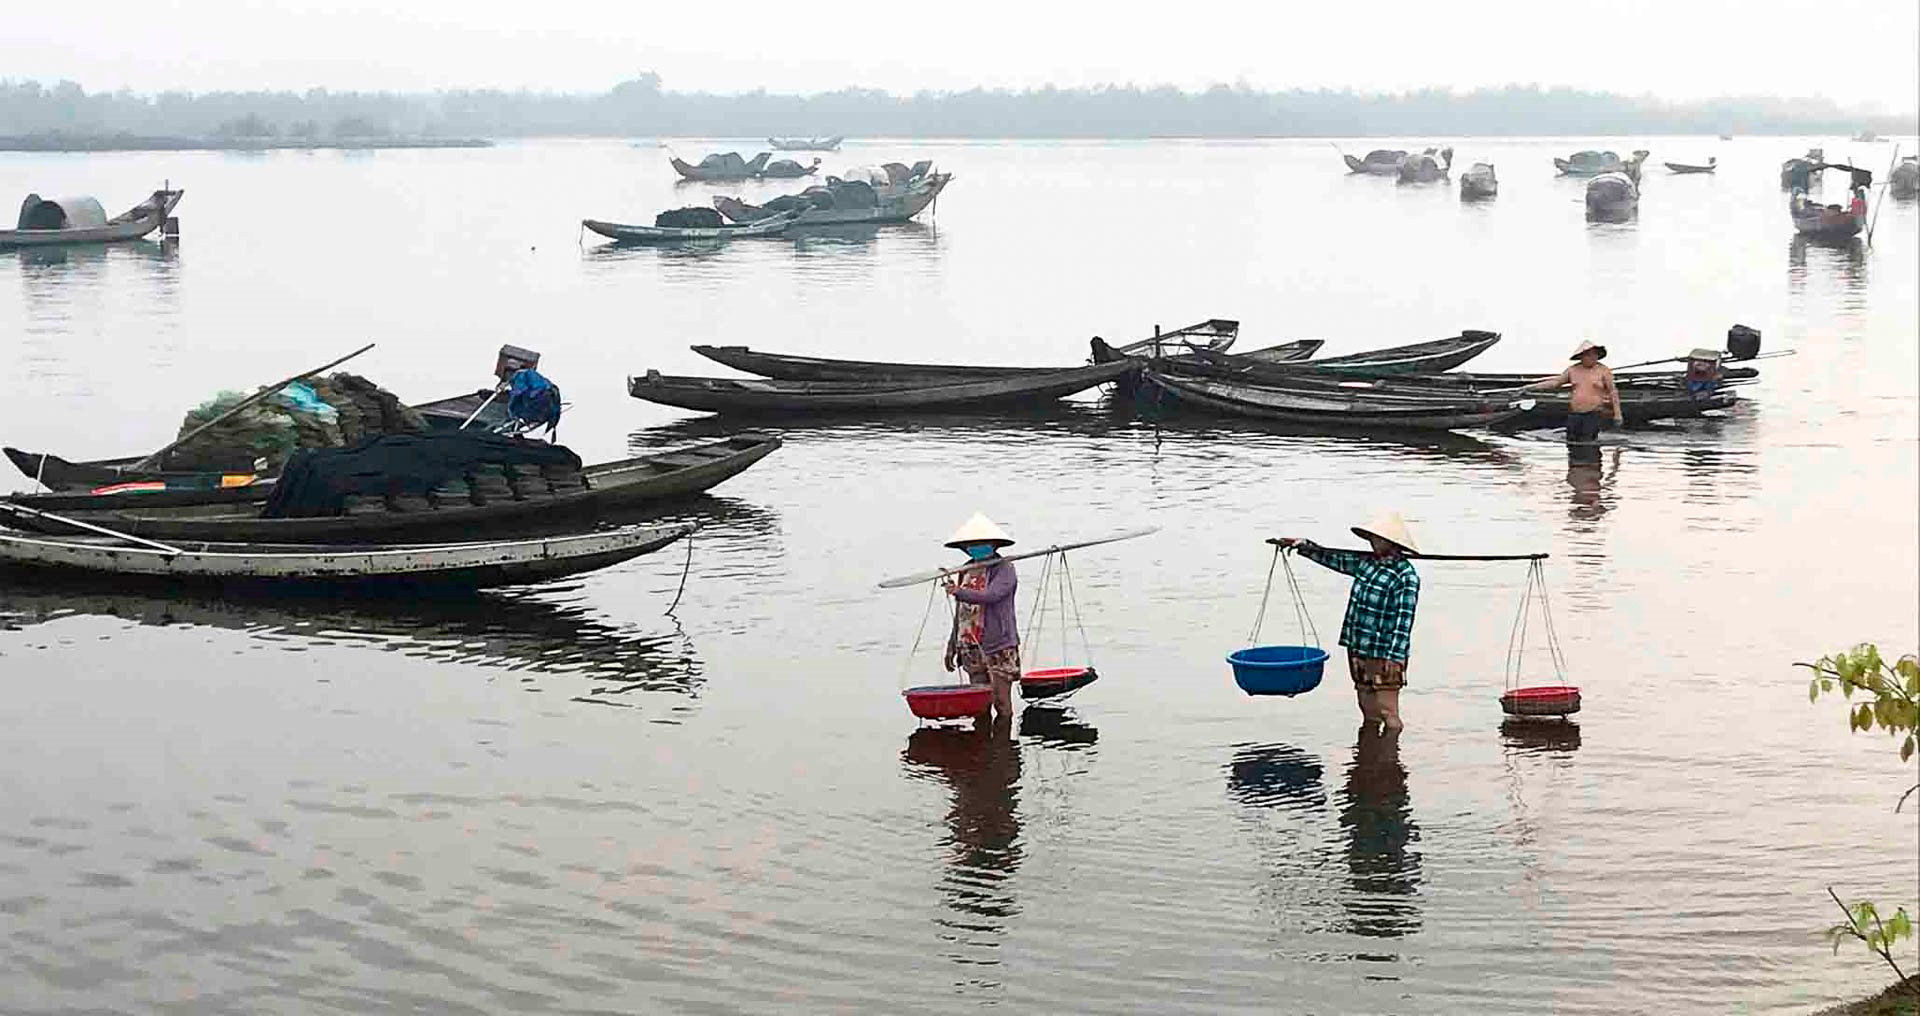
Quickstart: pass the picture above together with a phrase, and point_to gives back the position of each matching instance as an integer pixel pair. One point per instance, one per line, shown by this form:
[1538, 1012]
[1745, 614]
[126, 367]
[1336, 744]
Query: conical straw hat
[1390, 527]
[979, 529]
[1584, 346]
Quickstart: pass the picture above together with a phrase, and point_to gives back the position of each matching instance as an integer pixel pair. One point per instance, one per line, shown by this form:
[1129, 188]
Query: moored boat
[844, 202]
[1803, 172]
[1905, 181]
[45, 223]
[787, 169]
[1683, 168]
[1331, 405]
[1612, 197]
[1479, 182]
[455, 504]
[787, 367]
[1593, 163]
[720, 167]
[753, 396]
[831, 144]
[635, 233]
[1426, 167]
[1828, 222]
[1415, 358]
[242, 567]
[1379, 162]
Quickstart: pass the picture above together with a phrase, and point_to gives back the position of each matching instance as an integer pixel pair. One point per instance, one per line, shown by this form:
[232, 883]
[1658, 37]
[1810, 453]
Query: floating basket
[1542, 700]
[1278, 670]
[949, 701]
[1055, 681]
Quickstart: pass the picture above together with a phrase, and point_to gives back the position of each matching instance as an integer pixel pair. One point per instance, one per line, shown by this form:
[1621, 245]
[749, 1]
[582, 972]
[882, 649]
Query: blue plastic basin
[1278, 670]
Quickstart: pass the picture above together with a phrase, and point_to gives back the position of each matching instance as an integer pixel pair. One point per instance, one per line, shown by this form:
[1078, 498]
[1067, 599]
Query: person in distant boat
[985, 641]
[1594, 395]
[532, 400]
[1858, 208]
[1378, 630]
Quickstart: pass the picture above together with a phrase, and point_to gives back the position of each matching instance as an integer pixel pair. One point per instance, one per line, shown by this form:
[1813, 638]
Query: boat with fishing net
[831, 144]
[720, 167]
[890, 194]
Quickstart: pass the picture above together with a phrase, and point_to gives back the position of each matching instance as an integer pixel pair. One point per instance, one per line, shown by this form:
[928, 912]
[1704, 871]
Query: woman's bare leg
[1387, 700]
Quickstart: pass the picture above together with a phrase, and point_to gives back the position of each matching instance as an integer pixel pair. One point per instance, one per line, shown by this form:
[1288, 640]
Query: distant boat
[1799, 172]
[1683, 167]
[831, 144]
[721, 166]
[1868, 137]
[1379, 162]
[1612, 196]
[1427, 167]
[1726, 137]
[1592, 163]
[46, 222]
[1478, 182]
[787, 169]
[1832, 222]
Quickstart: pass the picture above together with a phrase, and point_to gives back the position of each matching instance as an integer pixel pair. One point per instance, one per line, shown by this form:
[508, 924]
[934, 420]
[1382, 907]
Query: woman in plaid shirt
[1378, 628]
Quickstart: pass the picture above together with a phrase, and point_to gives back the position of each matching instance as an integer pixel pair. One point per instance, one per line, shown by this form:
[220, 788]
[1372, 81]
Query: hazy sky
[1854, 51]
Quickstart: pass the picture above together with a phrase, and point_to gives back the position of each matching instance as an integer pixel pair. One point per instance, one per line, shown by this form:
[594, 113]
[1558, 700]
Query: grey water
[560, 799]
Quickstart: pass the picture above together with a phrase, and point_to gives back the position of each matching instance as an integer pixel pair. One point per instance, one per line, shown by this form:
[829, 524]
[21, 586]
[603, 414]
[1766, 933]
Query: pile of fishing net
[694, 217]
[322, 413]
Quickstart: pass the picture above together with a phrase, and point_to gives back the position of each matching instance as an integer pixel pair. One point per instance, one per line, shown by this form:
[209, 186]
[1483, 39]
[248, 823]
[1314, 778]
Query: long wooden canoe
[1330, 407]
[746, 397]
[633, 233]
[787, 367]
[612, 485]
[1417, 358]
[265, 567]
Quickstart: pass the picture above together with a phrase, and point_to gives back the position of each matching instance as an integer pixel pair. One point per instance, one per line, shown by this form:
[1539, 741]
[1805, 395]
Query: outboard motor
[1743, 343]
[1703, 371]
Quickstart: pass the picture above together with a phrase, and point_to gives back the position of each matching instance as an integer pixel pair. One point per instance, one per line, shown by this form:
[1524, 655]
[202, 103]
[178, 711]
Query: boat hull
[625, 484]
[366, 569]
[634, 233]
[1322, 407]
[718, 395]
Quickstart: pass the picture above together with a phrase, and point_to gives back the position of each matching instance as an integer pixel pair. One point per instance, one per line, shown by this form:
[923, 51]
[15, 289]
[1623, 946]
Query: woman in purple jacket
[986, 639]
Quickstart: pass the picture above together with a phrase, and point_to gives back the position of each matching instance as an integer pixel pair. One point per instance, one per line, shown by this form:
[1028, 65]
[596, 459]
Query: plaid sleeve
[1405, 597]
[1345, 562]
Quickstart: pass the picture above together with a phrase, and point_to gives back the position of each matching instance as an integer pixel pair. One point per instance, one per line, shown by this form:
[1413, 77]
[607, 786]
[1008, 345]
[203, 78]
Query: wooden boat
[787, 169]
[1416, 358]
[351, 568]
[634, 233]
[46, 223]
[1804, 171]
[831, 144]
[725, 166]
[642, 480]
[1612, 196]
[1217, 334]
[786, 367]
[1905, 181]
[1590, 163]
[1639, 404]
[1426, 167]
[1479, 182]
[1379, 162]
[890, 205]
[56, 473]
[1684, 168]
[747, 397]
[1826, 222]
[1331, 406]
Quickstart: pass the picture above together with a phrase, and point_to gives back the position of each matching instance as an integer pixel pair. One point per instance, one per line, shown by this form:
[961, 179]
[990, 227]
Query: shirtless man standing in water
[1593, 393]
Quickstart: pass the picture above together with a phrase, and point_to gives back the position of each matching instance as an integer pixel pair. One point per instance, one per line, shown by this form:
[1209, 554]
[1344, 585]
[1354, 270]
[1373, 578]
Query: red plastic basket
[1542, 700]
[1055, 681]
[949, 701]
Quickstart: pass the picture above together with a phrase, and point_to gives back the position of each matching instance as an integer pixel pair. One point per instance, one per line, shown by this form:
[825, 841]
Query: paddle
[1274, 541]
[238, 406]
[961, 569]
[77, 524]
[1882, 199]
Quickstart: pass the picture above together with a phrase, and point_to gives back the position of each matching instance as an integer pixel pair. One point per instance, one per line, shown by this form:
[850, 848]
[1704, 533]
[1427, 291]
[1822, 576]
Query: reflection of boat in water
[516, 630]
[1383, 865]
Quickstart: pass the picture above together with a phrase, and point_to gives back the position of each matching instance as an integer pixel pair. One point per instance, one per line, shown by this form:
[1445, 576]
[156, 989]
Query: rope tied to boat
[684, 571]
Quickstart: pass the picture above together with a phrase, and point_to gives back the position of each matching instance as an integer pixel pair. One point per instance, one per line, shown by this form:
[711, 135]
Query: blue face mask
[979, 551]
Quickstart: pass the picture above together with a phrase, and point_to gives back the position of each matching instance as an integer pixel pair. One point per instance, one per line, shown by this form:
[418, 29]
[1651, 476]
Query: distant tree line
[642, 108]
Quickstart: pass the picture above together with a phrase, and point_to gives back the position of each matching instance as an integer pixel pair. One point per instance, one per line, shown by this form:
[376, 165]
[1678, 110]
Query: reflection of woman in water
[1376, 815]
[982, 766]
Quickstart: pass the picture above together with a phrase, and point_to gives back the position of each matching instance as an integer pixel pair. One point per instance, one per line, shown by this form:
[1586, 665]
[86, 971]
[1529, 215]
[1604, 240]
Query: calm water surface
[562, 800]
